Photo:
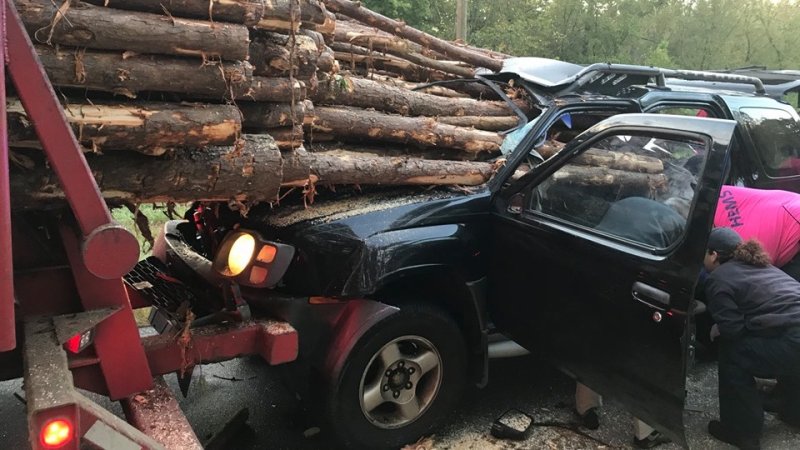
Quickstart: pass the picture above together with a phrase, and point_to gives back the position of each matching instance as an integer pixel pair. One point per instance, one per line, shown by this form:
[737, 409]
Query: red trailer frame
[98, 252]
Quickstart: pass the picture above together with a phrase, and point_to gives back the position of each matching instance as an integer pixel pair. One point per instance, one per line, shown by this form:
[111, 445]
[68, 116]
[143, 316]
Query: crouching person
[756, 310]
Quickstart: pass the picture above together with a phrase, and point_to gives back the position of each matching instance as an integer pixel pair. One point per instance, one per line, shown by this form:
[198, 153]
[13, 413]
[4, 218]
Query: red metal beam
[7, 331]
[157, 414]
[116, 339]
[275, 341]
[109, 250]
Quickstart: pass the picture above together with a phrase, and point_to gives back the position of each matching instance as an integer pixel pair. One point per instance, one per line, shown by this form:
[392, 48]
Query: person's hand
[714, 332]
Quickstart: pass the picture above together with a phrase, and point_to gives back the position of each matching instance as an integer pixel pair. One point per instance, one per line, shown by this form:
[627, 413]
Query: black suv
[586, 246]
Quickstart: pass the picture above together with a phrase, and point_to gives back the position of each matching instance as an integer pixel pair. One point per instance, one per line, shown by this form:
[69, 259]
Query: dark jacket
[747, 299]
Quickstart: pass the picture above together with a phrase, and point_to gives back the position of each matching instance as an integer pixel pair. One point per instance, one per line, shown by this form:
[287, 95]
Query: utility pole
[461, 20]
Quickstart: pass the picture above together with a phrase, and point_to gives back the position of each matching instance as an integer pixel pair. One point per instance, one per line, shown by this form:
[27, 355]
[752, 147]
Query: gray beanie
[723, 240]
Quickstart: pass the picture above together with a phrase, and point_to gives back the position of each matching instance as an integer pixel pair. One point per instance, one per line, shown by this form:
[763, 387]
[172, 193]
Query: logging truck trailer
[66, 315]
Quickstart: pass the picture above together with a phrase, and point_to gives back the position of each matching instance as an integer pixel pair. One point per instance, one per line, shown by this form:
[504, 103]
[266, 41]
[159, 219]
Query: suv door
[592, 265]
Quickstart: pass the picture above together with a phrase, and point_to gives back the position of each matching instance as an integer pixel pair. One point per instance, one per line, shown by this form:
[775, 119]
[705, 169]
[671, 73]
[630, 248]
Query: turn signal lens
[241, 253]
[267, 254]
[56, 433]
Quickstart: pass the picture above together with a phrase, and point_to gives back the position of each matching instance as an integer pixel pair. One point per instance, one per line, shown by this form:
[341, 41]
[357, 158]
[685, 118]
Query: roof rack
[603, 71]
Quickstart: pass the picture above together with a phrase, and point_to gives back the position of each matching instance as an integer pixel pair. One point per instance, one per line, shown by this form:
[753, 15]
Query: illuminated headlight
[245, 257]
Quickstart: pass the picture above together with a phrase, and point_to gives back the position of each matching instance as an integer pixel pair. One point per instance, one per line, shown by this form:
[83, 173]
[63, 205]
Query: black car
[590, 255]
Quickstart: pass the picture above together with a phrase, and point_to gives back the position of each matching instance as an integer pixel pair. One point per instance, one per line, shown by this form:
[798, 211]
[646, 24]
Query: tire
[414, 340]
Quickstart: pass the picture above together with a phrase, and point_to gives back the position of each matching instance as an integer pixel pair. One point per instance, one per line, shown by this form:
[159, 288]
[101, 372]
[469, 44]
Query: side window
[694, 111]
[776, 138]
[634, 187]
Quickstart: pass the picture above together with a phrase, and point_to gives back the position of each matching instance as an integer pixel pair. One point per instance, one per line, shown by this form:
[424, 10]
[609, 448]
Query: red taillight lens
[79, 342]
[57, 433]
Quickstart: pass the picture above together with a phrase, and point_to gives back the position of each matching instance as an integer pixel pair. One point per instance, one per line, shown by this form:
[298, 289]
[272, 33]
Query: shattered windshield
[776, 136]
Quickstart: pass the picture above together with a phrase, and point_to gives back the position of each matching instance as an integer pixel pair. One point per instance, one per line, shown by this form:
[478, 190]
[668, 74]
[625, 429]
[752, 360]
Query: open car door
[596, 253]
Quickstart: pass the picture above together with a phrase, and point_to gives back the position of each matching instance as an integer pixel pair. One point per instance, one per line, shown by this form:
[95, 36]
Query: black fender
[356, 318]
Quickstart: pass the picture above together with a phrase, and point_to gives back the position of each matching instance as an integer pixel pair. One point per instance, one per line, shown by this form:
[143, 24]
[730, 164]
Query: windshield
[776, 136]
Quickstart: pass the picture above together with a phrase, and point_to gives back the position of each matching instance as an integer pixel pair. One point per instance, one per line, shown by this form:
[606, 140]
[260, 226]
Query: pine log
[114, 72]
[348, 29]
[290, 15]
[150, 128]
[355, 58]
[286, 138]
[606, 158]
[85, 25]
[502, 123]
[439, 91]
[351, 123]
[362, 14]
[268, 89]
[365, 93]
[272, 115]
[249, 171]
[272, 55]
[401, 48]
[326, 28]
[326, 61]
[601, 176]
[339, 167]
[247, 12]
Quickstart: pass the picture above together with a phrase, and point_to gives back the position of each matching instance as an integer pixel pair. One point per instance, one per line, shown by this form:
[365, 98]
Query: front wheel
[399, 379]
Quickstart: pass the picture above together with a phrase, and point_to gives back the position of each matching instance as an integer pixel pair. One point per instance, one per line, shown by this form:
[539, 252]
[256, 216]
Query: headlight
[248, 259]
[241, 253]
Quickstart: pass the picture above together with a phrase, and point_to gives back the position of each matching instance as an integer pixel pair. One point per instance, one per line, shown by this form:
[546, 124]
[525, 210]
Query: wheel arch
[444, 287]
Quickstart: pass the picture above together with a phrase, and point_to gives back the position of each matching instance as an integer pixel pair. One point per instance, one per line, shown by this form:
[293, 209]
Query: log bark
[150, 128]
[85, 25]
[349, 123]
[271, 55]
[439, 91]
[246, 12]
[356, 11]
[365, 93]
[263, 116]
[400, 48]
[290, 15]
[326, 28]
[355, 58]
[267, 89]
[607, 158]
[286, 138]
[114, 72]
[339, 167]
[601, 176]
[250, 172]
[502, 123]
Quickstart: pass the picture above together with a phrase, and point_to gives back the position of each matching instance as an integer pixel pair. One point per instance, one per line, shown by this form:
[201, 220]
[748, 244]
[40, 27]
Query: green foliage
[691, 34]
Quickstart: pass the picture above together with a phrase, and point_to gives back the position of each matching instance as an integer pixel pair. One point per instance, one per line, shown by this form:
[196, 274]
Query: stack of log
[239, 100]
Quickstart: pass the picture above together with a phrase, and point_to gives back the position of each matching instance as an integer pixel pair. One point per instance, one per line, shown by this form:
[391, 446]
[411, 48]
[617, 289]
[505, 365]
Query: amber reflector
[258, 275]
[267, 254]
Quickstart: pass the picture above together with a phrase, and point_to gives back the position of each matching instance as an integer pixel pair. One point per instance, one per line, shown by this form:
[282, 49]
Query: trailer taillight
[79, 342]
[56, 433]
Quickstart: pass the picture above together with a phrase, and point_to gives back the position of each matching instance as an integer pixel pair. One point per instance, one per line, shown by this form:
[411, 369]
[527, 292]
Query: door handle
[650, 296]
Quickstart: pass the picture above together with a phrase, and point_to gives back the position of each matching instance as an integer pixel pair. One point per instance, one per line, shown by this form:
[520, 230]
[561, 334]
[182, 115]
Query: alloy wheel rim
[400, 382]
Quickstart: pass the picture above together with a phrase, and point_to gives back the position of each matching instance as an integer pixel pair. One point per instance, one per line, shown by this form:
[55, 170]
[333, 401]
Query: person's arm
[724, 309]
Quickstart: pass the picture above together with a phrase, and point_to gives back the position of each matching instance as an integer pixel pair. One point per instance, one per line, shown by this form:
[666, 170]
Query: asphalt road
[278, 420]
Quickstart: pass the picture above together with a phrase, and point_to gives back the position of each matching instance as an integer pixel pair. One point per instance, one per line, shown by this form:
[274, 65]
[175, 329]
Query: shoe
[772, 402]
[590, 419]
[653, 439]
[716, 429]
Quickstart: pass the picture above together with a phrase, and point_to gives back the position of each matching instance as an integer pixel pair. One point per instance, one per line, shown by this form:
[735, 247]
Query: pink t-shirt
[770, 216]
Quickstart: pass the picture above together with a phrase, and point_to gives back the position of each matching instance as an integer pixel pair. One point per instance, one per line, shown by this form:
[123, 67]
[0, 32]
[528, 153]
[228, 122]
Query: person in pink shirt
[770, 216]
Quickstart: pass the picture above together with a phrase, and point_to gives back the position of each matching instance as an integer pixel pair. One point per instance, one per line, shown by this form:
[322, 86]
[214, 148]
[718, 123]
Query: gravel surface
[279, 422]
